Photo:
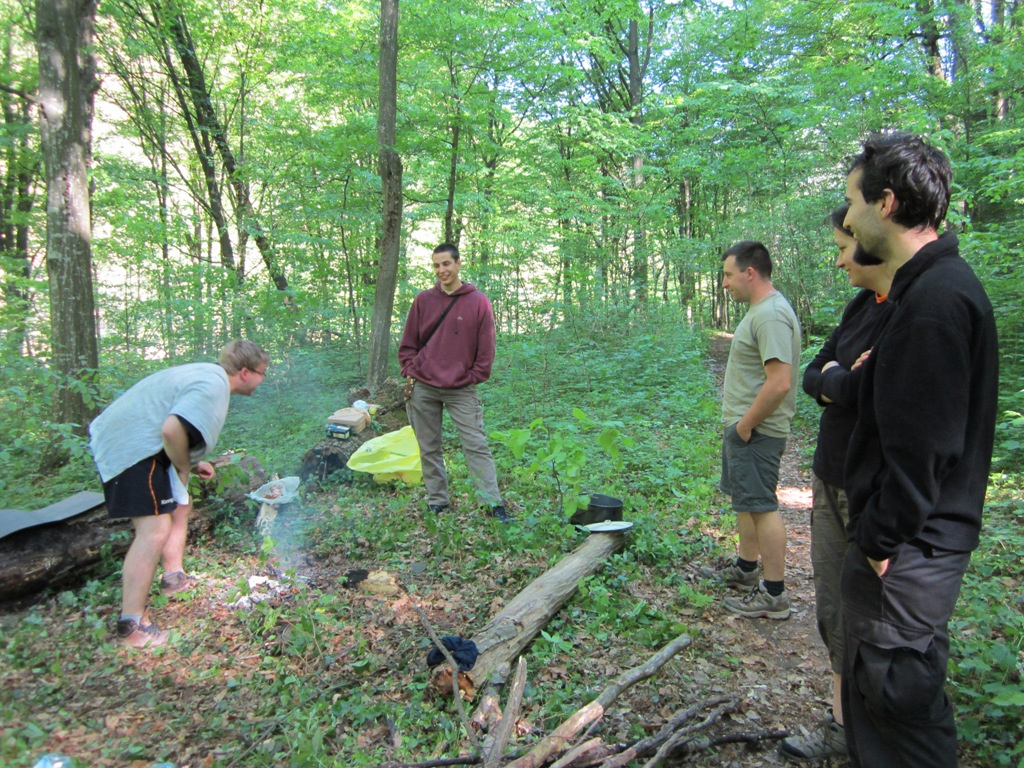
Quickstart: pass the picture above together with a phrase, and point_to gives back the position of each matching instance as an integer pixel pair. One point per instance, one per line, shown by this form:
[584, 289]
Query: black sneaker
[499, 513]
[437, 509]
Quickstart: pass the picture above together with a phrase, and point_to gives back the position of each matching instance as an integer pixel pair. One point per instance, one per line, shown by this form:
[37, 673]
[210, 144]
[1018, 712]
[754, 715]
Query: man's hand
[744, 433]
[205, 470]
[879, 566]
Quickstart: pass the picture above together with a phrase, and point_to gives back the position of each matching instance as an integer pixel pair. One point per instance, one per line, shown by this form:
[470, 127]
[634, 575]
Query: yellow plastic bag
[394, 456]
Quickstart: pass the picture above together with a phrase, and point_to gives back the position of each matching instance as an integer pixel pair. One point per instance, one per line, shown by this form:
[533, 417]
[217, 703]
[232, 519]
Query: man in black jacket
[918, 461]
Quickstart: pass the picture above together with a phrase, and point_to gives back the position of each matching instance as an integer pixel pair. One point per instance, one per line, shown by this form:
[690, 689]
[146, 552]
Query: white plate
[608, 526]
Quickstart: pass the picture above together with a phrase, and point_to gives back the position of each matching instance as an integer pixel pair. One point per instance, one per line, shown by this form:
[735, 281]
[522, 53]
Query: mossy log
[65, 548]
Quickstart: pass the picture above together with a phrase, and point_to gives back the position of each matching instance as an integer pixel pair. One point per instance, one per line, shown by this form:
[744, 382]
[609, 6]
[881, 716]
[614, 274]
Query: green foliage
[593, 216]
[28, 433]
[562, 455]
[987, 631]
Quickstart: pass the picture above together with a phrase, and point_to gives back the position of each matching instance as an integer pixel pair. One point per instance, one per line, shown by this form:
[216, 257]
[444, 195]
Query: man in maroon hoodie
[447, 349]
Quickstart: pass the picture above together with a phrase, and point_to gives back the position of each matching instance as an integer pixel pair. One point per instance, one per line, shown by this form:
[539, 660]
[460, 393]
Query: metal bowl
[600, 509]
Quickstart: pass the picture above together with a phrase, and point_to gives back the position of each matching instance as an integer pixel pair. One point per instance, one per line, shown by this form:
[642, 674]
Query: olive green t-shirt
[769, 331]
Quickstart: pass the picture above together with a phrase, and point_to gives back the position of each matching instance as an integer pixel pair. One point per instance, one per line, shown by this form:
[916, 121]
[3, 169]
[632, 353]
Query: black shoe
[437, 509]
[499, 513]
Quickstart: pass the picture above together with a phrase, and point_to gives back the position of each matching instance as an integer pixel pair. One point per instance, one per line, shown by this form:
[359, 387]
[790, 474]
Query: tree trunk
[214, 203]
[636, 96]
[210, 125]
[931, 38]
[16, 201]
[450, 234]
[391, 186]
[67, 85]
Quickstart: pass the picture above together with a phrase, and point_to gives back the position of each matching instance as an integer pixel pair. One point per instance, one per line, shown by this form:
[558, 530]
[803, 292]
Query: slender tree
[211, 125]
[20, 161]
[391, 184]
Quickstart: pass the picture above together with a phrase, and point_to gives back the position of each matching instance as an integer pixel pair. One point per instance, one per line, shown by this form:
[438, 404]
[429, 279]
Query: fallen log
[495, 750]
[60, 553]
[514, 627]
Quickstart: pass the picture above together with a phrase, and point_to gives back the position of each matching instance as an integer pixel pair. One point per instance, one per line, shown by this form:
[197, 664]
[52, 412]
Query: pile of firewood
[573, 743]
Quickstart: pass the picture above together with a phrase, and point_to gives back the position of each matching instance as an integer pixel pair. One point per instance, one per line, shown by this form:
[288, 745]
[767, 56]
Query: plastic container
[54, 761]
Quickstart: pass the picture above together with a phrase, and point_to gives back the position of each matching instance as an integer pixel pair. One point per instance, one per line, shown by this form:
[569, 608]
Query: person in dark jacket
[832, 378]
[444, 356]
[918, 460]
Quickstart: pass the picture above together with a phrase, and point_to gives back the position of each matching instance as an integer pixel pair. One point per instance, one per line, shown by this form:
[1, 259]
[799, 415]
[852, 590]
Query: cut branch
[558, 741]
[493, 755]
[678, 720]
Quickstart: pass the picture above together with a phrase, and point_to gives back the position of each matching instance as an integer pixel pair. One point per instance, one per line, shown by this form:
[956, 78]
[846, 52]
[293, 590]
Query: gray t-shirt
[769, 331]
[128, 431]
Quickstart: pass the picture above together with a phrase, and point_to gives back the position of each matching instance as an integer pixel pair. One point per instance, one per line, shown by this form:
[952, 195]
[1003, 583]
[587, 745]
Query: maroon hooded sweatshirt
[461, 351]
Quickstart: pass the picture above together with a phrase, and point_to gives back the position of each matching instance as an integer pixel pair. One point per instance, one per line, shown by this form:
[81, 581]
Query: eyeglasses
[262, 373]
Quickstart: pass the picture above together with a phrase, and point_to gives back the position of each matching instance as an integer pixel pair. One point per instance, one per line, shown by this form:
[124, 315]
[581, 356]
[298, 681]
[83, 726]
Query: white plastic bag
[277, 491]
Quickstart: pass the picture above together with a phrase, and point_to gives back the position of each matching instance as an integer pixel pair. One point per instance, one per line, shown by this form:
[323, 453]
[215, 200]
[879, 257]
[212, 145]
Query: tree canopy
[584, 156]
[578, 153]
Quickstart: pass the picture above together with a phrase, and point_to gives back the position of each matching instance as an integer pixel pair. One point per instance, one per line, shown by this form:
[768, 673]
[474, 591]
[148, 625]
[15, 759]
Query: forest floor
[777, 669]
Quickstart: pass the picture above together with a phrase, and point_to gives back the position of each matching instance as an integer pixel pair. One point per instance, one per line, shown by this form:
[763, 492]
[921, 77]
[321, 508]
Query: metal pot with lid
[600, 508]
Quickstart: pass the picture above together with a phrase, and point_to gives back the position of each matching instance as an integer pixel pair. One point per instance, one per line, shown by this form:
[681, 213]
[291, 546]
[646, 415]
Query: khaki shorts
[750, 471]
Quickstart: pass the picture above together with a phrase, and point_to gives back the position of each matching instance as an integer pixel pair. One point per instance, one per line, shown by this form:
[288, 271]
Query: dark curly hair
[918, 174]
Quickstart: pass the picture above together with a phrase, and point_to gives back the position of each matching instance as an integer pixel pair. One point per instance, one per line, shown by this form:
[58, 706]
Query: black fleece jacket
[919, 456]
[862, 320]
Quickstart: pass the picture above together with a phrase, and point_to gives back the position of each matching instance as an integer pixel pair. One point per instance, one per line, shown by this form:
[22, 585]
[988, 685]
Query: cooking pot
[600, 509]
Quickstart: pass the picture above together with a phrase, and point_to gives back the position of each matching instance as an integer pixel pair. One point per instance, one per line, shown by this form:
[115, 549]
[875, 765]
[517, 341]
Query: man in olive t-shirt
[758, 403]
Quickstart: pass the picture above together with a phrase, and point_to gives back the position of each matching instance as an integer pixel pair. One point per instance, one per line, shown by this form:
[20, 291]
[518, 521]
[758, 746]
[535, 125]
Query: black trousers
[897, 649]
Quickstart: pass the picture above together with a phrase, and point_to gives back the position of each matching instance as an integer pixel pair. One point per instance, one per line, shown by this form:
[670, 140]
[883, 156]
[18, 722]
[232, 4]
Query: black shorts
[145, 488]
[142, 489]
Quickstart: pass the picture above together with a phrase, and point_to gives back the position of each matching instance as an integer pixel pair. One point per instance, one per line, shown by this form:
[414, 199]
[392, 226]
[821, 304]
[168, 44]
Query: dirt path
[779, 667]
